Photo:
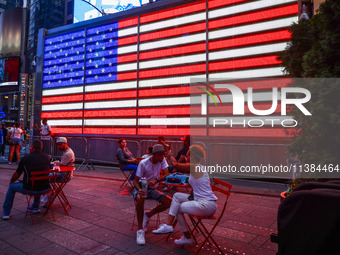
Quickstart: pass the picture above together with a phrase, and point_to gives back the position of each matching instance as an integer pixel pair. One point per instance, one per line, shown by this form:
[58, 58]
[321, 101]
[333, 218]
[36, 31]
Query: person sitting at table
[150, 169]
[67, 159]
[126, 159]
[201, 203]
[148, 152]
[36, 161]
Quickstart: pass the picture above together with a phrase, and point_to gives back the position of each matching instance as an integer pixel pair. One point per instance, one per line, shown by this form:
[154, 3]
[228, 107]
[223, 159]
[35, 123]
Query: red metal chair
[223, 188]
[39, 176]
[127, 174]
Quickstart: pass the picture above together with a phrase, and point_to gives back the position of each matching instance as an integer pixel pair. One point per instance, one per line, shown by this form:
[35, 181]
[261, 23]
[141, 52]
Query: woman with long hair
[202, 202]
[15, 135]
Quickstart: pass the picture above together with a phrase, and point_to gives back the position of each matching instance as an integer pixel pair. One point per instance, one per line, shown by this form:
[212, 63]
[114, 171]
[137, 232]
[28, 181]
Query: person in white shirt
[45, 129]
[201, 203]
[15, 135]
[150, 169]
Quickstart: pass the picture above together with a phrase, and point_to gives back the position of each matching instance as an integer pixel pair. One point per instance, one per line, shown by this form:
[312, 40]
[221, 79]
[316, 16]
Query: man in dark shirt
[34, 162]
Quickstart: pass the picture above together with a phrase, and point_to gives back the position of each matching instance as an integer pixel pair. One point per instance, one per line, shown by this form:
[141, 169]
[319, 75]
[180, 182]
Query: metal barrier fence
[100, 150]
[104, 150]
[79, 147]
[244, 160]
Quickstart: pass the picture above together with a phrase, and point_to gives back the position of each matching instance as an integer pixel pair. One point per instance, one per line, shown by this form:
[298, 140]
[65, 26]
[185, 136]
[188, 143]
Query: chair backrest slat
[43, 175]
[225, 191]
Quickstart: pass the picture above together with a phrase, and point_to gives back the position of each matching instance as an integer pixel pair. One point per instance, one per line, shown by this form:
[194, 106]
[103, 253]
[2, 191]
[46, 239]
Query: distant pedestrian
[1, 137]
[4, 141]
[14, 137]
[45, 129]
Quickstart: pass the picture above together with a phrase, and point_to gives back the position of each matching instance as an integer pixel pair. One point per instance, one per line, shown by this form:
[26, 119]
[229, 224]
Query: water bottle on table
[56, 165]
[144, 186]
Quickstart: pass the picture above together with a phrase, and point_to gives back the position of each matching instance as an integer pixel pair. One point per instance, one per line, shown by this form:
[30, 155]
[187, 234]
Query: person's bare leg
[17, 152]
[11, 151]
[164, 204]
[140, 211]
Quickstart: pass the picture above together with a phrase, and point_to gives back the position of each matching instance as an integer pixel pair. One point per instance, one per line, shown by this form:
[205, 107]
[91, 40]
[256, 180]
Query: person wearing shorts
[150, 169]
[15, 134]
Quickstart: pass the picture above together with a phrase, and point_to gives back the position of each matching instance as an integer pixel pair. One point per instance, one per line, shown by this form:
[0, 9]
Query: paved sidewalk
[101, 217]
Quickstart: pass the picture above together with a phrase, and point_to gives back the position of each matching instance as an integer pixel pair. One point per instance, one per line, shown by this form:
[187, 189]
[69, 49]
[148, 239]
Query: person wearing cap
[150, 169]
[67, 159]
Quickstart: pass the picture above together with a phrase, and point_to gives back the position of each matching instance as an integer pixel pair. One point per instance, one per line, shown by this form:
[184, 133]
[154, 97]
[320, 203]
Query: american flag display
[132, 76]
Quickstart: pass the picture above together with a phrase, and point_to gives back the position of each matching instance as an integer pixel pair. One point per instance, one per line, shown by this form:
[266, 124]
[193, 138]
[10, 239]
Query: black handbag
[10, 141]
[174, 180]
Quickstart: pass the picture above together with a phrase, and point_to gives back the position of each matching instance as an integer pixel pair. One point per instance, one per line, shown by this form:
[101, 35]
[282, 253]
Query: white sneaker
[141, 237]
[184, 241]
[146, 220]
[164, 229]
[5, 217]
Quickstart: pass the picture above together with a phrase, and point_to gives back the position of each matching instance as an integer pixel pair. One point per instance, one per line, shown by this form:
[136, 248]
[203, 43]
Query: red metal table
[59, 186]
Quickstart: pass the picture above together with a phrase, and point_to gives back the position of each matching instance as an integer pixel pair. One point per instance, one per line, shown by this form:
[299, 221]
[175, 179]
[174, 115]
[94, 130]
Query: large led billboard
[86, 11]
[132, 76]
[9, 71]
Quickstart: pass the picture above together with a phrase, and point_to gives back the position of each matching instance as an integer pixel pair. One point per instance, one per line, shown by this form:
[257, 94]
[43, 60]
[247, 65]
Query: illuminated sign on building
[84, 11]
[91, 75]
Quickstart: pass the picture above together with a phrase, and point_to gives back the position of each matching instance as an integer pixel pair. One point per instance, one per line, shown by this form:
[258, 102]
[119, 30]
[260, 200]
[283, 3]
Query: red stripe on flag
[62, 99]
[172, 131]
[173, 32]
[228, 109]
[127, 58]
[199, 68]
[254, 17]
[62, 115]
[110, 113]
[244, 63]
[127, 40]
[66, 130]
[248, 132]
[218, 3]
[127, 76]
[111, 95]
[109, 131]
[249, 40]
[182, 50]
[164, 92]
[169, 111]
[128, 22]
[173, 12]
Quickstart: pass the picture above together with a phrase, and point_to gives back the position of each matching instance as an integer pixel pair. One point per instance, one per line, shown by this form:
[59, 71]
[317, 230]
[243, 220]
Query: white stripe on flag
[172, 61]
[236, 9]
[111, 86]
[262, 26]
[172, 121]
[255, 73]
[62, 91]
[54, 107]
[65, 122]
[257, 50]
[181, 40]
[110, 104]
[169, 81]
[127, 31]
[110, 122]
[174, 22]
[127, 49]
